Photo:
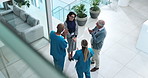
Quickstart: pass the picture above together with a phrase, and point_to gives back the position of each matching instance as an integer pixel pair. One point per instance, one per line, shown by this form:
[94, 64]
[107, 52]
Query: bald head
[60, 28]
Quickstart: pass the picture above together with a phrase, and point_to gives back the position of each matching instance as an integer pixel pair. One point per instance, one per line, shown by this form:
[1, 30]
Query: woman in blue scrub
[83, 60]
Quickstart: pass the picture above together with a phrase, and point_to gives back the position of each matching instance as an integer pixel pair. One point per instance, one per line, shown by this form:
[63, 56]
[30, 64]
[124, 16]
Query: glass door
[38, 8]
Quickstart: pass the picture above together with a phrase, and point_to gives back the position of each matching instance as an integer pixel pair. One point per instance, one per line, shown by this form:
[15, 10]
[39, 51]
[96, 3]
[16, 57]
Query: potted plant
[81, 14]
[21, 3]
[95, 10]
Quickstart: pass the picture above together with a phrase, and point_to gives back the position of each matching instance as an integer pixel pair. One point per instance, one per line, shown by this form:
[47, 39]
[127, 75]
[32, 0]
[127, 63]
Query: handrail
[62, 8]
[56, 8]
[59, 9]
[70, 3]
[69, 6]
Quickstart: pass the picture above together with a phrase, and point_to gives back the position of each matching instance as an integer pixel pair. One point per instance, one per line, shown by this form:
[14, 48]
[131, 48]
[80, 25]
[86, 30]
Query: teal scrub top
[80, 64]
[57, 46]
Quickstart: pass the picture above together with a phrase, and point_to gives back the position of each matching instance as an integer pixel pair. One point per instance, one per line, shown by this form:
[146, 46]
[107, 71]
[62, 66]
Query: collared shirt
[95, 30]
[101, 28]
[98, 36]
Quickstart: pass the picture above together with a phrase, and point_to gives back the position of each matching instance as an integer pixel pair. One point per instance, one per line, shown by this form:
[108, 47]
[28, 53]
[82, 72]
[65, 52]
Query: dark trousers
[59, 63]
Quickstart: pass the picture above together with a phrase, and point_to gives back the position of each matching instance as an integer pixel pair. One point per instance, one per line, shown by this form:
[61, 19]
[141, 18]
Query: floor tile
[121, 54]
[129, 42]
[108, 66]
[139, 64]
[127, 73]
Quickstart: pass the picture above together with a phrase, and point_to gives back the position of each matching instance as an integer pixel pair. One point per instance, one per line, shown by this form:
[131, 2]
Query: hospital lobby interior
[25, 43]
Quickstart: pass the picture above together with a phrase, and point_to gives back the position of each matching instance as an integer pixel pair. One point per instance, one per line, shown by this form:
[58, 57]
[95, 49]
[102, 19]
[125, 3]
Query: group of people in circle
[66, 36]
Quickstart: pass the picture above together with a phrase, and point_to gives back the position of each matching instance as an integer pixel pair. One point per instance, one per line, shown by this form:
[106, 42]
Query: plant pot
[81, 21]
[94, 14]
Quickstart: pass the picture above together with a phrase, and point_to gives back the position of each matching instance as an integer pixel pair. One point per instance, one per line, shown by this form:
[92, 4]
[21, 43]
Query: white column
[123, 2]
[49, 15]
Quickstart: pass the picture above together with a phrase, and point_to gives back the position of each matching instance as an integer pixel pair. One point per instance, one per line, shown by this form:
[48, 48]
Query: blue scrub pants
[59, 64]
[80, 74]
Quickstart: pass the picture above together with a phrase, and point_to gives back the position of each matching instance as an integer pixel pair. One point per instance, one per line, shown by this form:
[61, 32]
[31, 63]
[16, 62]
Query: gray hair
[101, 23]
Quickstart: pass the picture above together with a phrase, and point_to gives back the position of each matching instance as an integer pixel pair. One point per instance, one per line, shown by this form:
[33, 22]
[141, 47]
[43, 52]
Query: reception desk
[142, 43]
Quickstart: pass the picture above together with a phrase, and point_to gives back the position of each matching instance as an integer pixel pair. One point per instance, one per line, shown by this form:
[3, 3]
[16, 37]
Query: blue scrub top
[57, 46]
[80, 64]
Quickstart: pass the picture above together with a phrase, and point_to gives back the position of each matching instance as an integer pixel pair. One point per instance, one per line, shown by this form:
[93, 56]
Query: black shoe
[72, 59]
[92, 62]
[94, 69]
[69, 59]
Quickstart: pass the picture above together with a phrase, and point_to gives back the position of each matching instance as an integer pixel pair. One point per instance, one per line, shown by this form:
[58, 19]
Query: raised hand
[90, 30]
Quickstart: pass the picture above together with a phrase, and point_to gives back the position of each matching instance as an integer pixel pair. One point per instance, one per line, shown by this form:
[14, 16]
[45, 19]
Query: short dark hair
[60, 27]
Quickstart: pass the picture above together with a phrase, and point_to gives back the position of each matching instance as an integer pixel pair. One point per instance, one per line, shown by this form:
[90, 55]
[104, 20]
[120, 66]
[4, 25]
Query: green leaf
[95, 5]
[80, 10]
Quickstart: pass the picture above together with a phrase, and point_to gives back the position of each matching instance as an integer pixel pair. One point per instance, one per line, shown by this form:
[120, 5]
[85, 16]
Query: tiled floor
[119, 56]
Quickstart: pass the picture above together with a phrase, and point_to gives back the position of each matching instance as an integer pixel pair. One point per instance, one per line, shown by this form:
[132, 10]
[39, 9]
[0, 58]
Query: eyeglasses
[72, 16]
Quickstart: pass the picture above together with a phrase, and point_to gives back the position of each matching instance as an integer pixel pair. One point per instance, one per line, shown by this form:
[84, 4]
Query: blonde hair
[85, 50]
